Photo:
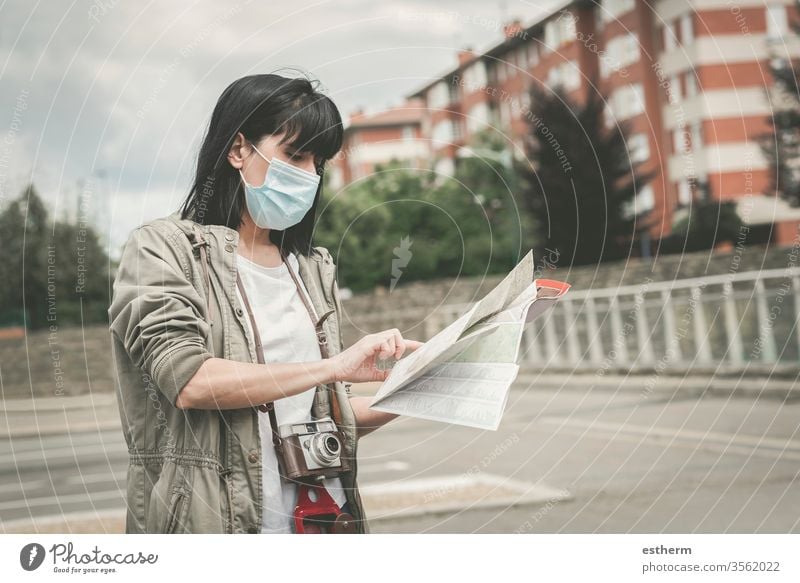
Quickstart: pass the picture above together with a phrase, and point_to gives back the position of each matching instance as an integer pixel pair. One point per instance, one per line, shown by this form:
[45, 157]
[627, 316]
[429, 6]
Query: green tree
[54, 273]
[705, 224]
[781, 145]
[581, 184]
[402, 225]
[482, 197]
[11, 299]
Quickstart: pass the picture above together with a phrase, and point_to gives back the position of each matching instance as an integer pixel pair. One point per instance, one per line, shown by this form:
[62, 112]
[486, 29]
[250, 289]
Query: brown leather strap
[322, 340]
[269, 407]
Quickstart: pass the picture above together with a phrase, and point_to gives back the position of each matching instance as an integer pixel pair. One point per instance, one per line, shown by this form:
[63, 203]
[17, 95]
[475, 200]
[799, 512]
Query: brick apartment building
[369, 140]
[692, 76]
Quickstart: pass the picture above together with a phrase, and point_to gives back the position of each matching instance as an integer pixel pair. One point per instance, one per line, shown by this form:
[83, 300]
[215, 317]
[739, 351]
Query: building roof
[409, 113]
[501, 47]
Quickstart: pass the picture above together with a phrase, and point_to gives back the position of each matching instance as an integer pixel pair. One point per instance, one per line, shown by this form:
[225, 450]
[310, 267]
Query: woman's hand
[357, 363]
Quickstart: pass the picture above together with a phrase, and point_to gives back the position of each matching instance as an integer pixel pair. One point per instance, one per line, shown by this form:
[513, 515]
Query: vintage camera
[312, 450]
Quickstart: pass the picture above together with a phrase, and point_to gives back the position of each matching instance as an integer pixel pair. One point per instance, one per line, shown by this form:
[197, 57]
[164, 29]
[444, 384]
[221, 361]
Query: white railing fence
[730, 321]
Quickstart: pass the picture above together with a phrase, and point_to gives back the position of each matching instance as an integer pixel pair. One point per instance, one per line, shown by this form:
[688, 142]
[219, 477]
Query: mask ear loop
[252, 145]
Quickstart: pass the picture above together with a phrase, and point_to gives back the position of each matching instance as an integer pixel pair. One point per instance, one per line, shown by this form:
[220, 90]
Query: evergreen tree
[54, 273]
[581, 184]
[782, 145]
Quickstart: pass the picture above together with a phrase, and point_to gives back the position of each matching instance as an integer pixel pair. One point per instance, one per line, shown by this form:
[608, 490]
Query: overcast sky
[121, 91]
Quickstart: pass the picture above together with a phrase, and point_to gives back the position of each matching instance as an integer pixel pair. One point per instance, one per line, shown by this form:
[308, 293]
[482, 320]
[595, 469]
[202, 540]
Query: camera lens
[332, 444]
[325, 448]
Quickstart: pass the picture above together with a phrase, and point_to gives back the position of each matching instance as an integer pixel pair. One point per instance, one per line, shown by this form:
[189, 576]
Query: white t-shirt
[287, 335]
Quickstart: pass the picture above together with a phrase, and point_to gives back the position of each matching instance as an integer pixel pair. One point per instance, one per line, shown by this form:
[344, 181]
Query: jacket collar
[315, 270]
[224, 232]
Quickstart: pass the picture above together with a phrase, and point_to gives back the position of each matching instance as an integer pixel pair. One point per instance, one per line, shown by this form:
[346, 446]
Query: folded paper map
[463, 374]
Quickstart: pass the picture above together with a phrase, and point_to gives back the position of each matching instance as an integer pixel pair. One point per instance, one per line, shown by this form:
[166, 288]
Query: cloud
[126, 89]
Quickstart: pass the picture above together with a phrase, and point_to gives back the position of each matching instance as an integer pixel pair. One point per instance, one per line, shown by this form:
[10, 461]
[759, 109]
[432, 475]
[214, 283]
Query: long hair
[259, 106]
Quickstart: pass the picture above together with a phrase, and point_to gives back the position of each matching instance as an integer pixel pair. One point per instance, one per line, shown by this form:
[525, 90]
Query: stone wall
[71, 361]
[78, 361]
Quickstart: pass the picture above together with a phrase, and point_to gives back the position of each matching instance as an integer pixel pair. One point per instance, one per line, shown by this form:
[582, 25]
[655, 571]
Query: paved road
[632, 464]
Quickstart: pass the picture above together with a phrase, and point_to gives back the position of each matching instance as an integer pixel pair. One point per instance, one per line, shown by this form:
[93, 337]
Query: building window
[621, 51]
[627, 101]
[560, 30]
[608, 114]
[697, 135]
[613, 9]
[777, 24]
[674, 92]
[408, 133]
[691, 83]
[599, 19]
[444, 167]
[567, 76]
[522, 58]
[505, 113]
[533, 53]
[684, 192]
[494, 115]
[679, 144]
[638, 148]
[438, 95]
[453, 92]
[687, 29]
[477, 118]
[569, 28]
[554, 77]
[458, 129]
[670, 42]
[572, 76]
[525, 99]
[645, 199]
[501, 71]
[475, 76]
[443, 132]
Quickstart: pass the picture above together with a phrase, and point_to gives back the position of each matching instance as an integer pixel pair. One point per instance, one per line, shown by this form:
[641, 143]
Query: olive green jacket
[199, 471]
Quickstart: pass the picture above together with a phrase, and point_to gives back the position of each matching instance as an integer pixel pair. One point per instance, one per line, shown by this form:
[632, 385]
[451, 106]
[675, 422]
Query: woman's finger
[384, 349]
[399, 342]
[390, 343]
[412, 344]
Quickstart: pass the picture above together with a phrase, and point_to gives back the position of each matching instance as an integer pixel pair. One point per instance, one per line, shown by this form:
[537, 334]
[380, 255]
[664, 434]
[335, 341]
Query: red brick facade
[711, 56]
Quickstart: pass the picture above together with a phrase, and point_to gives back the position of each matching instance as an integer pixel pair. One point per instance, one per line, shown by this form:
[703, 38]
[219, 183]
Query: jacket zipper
[225, 471]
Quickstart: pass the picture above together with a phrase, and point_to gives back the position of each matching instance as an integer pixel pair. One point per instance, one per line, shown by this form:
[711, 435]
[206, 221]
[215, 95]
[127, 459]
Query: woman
[225, 310]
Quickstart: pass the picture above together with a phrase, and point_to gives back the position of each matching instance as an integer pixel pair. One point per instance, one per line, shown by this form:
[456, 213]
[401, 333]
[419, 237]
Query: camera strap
[322, 340]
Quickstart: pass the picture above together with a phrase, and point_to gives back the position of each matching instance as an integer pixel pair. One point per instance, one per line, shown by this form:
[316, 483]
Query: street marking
[396, 466]
[452, 494]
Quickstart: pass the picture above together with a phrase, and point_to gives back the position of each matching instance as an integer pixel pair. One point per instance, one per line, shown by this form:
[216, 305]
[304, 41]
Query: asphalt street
[630, 462]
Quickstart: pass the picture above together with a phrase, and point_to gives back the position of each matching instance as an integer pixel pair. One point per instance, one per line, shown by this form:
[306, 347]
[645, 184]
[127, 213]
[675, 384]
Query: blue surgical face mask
[284, 198]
